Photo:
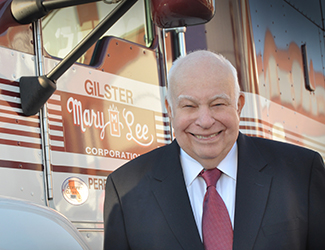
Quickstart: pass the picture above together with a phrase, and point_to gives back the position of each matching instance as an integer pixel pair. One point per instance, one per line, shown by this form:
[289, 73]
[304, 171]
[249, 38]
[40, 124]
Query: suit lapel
[251, 193]
[170, 191]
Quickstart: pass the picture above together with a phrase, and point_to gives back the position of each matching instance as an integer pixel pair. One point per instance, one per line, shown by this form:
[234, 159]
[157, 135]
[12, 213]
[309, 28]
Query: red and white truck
[83, 82]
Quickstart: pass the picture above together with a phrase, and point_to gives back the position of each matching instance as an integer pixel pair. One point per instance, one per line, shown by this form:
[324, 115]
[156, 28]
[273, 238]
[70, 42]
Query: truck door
[108, 107]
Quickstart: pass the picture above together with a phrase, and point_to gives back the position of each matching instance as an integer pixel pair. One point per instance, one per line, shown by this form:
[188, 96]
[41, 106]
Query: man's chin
[206, 158]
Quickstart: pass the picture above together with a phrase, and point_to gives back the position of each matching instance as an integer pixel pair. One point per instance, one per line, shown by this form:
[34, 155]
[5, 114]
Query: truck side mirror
[172, 13]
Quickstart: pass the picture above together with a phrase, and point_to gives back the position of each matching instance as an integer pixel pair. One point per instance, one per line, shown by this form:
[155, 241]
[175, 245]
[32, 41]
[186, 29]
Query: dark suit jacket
[280, 200]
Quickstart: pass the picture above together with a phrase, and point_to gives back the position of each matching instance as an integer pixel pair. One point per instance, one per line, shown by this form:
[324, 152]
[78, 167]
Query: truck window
[63, 29]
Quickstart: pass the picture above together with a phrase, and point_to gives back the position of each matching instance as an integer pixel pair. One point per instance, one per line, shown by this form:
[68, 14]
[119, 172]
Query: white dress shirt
[196, 186]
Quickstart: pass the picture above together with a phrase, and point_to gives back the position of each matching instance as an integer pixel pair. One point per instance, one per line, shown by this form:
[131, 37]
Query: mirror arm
[35, 90]
[28, 11]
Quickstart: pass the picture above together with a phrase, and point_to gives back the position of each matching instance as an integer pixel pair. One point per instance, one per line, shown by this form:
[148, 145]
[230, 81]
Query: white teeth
[205, 137]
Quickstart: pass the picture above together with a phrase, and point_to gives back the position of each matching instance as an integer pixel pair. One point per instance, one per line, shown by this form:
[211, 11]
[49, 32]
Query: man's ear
[241, 102]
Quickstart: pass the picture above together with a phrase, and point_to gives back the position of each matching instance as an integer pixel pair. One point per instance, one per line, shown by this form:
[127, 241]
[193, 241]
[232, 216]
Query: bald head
[202, 63]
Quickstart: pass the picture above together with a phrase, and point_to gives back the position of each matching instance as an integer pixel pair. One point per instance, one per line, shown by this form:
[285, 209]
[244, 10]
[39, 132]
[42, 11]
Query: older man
[265, 194]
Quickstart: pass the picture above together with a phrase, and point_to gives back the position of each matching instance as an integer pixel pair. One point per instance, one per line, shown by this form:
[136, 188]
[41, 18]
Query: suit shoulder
[143, 163]
[281, 149]
[283, 158]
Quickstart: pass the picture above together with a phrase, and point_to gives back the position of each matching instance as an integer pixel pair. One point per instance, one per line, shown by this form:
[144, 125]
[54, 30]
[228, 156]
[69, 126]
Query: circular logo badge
[75, 191]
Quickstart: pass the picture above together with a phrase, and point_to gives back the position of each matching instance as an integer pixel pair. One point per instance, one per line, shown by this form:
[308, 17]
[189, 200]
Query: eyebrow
[218, 96]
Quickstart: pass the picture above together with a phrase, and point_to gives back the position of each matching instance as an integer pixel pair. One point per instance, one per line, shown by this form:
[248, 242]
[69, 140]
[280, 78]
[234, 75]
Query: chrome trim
[45, 132]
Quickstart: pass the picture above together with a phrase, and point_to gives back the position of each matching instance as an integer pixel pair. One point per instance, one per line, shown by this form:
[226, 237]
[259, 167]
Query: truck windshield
[63, 29]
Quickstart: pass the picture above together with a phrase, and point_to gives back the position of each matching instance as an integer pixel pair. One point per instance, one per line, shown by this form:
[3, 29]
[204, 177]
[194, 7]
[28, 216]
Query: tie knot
[211, 176]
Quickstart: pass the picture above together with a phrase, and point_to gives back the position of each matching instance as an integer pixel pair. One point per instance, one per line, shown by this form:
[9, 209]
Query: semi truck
[83, 83]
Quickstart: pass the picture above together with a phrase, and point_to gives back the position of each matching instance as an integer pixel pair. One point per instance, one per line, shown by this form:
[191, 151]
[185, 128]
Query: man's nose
[205, 118]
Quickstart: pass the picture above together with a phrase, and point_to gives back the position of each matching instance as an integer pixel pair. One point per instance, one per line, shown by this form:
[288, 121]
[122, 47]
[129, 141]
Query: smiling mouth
[206, 137]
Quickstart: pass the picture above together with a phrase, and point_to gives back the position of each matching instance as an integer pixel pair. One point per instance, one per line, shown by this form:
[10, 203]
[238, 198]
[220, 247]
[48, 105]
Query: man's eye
[188, 106]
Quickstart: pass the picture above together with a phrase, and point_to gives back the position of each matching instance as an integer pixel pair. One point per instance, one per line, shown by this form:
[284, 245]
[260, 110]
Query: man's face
[204, 114]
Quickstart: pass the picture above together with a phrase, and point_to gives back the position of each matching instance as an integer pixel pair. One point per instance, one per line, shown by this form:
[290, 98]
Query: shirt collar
[192, 168]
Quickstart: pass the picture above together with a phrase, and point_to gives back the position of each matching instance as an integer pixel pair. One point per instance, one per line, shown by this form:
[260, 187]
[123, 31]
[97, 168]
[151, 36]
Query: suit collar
[251, 193]
[170, 191]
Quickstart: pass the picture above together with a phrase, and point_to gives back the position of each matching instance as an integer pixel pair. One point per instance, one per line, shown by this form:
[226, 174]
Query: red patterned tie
[216, 225]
